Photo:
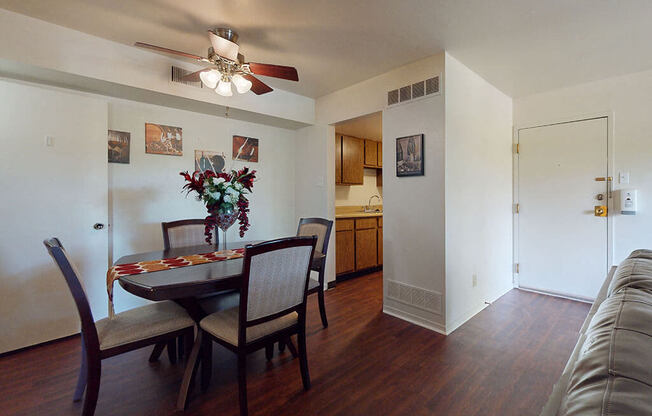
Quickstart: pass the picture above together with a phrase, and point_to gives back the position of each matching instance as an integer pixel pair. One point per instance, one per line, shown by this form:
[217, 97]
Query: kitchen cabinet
[380, 154]
[380, 241]
[344, 246]
[338, 159]
[352, 160]
[357, 244]
[370, 154]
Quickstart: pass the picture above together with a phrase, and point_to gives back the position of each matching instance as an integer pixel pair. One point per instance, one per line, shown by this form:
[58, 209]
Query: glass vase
[225, 217]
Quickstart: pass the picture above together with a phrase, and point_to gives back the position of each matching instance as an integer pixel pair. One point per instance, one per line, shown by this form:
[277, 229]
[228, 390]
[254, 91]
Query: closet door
[53, 177]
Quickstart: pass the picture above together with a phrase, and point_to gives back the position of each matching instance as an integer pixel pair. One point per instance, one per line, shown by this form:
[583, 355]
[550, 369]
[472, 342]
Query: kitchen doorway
[359, 197]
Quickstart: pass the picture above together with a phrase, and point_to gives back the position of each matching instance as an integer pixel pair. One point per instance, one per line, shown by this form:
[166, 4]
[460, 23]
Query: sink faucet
[369, 202]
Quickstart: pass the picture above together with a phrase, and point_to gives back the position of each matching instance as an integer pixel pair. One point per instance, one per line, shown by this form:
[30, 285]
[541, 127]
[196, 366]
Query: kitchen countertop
[358, 215]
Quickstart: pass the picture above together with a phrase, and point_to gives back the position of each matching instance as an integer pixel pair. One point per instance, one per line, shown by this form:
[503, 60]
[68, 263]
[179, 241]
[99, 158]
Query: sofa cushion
[612, 374]
[634, 272]
[641, 254]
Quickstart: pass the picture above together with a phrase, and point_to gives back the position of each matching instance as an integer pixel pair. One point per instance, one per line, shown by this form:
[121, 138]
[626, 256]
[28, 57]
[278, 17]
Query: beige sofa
[610, 369]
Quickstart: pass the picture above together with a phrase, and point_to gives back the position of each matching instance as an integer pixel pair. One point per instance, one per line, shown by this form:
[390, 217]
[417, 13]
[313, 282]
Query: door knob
[98, 226]
[600, 211]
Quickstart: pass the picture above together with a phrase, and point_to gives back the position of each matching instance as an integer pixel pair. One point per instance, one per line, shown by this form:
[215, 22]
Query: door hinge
[516, 268]
[517, 208]
[517, 149]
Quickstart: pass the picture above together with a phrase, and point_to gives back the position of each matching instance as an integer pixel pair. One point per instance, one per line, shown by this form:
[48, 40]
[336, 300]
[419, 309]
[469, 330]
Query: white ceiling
[521, 46]
[365, 127]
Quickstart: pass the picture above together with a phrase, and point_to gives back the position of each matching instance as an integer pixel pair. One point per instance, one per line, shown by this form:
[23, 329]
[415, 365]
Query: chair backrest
[71, 275]
[184, 233]
[275, 278]
[320, 227]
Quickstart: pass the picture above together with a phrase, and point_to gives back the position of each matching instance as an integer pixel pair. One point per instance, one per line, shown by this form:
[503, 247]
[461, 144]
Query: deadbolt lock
[600, 211]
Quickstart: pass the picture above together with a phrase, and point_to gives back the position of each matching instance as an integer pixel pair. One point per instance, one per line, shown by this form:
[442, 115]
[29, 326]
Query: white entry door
[56, 187]
[562, 244]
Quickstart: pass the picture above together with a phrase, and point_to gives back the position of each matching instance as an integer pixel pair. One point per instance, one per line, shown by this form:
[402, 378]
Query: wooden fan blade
[276, 71]
[194, 77]
[170, 51]
[257, 86]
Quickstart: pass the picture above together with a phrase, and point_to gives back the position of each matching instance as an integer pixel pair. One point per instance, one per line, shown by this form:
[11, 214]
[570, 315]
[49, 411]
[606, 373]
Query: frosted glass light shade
[210, 78]
[224, 89]
[241, 83]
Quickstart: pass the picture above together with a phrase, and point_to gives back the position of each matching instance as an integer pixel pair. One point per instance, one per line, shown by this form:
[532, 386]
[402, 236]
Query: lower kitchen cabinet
[358, 244]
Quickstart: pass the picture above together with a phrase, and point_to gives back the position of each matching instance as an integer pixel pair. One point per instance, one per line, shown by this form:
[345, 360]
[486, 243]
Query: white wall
[315, 180]
[49, 191]
[629, 98]
[478, 193]
[347, 195]
[411, 200]
[413, 209]
[148, 189]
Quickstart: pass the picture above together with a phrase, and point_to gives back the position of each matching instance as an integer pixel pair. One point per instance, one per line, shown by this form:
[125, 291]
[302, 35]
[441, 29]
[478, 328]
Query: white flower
[238, 186]
[217, 181]
[228, 199]
[215, 194]
[232, 191]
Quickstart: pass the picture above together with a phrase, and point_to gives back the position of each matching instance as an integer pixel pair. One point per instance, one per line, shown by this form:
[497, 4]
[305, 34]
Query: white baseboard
[557, 295]
[417, 320]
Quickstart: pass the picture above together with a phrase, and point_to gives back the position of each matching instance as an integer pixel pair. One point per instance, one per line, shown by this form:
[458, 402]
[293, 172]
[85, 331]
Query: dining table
[187, 285]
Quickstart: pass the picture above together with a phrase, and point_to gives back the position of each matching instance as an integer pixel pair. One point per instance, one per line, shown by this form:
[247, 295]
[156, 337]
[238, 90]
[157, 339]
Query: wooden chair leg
[281, 346]
[83, 374]
[156, 352]
[172, 350]
[92, 388]
[242, 382]
[291, 347]
[189, 374]
[303, 359]
[322, 307]
[269, 351]
[206, 362]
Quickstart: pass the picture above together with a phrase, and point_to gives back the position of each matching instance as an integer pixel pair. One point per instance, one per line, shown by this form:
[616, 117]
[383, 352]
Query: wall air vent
[413, 92]
[411, 295]
[179, 73]
[392, 97]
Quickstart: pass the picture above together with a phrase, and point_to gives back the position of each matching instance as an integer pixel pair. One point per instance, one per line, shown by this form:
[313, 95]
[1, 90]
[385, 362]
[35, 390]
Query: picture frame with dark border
[409, 155]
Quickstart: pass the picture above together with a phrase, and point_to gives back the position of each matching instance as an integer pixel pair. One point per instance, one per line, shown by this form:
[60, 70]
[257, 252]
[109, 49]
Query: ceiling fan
[226, 66]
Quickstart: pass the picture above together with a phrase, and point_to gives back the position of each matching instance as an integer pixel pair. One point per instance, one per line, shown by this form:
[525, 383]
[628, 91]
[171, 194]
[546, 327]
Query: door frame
[610, 116]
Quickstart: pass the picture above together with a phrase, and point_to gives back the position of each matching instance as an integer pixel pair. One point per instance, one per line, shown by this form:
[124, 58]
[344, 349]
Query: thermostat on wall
[628, 201]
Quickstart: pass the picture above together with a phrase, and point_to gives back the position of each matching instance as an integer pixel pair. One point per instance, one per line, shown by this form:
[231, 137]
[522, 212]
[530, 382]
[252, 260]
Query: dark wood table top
[189, 281]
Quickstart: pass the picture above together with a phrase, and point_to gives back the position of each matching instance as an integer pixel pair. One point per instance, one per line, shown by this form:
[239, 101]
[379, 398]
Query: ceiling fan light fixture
[224, 88]
[210, 78]
[241, 83]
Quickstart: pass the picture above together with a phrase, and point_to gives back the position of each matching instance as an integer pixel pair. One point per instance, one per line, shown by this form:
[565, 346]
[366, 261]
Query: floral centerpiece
[224, 195]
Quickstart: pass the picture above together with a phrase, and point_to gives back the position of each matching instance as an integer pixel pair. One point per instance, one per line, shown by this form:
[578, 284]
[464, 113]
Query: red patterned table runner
[116, 272]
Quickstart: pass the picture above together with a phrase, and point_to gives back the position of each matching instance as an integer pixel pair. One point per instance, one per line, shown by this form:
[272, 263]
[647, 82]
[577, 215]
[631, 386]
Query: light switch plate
[49, 141]
[623, 178]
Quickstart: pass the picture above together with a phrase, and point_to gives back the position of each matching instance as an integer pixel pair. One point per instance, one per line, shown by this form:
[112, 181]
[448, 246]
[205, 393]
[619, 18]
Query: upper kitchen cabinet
[370, 154]
[338, 159]
[380, 154]
[352, 160]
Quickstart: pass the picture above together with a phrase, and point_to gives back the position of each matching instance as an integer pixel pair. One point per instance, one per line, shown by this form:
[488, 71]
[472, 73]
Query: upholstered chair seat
[224, 325]
[141, 323]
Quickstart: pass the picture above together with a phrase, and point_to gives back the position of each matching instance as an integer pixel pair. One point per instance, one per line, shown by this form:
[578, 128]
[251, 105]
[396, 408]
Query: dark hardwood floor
[504, 361]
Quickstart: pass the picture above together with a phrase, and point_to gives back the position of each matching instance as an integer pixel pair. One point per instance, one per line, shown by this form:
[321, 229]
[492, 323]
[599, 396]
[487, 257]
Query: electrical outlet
[475, 279]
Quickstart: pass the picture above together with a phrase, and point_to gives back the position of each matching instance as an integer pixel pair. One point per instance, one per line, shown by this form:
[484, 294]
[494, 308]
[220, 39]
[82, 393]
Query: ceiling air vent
[413, 92]
[179, 73]
[392, 97]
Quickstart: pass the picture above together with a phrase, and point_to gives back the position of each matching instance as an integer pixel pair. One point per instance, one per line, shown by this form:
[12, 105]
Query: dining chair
[184, 233]
[126, 331]
[273, 293]
[320, 227]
